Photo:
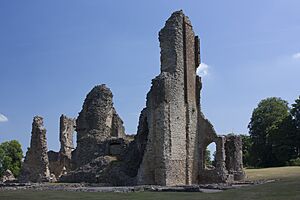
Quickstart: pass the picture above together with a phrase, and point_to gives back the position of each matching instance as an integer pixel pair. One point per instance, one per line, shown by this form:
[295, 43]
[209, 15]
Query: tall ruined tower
[36, 164]
[176, 129]
[172, 108]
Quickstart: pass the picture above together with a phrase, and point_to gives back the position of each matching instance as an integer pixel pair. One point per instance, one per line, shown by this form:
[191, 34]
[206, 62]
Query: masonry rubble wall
[97, 122]
[104, 153]
[178, 131]
[173, 133]
[36, 164]
[66, 131]
[171, 156]
[234, 156]
[61, 162]
[7, 177]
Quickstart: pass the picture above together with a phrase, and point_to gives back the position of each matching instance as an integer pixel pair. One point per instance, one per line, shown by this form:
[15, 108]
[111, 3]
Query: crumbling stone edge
[86, 187]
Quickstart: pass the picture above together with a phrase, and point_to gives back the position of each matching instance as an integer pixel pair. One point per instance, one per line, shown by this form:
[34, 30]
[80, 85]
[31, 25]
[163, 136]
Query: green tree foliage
[247, 145]
[295, 111]
[207, 157]
[11, 155]
[271, 131]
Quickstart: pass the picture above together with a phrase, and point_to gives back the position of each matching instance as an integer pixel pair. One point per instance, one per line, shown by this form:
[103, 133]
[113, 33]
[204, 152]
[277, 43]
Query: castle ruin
[173, 134]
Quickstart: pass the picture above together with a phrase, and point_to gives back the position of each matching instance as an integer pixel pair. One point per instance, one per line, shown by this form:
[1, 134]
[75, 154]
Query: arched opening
[209, 158]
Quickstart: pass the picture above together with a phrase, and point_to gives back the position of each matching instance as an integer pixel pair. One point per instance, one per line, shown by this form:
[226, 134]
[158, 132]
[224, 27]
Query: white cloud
[202, 69]
[3, 118]
[296, 56]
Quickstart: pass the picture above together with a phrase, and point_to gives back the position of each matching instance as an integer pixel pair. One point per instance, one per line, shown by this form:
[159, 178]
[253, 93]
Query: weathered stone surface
[7, 176]
[66, 131]
[36, 165]
[119, 163]
[234, 156]
[97, 122]
[102, 149]
[173, 134]
[60, 162]
[171, 156]
[118, 166]
[54, 163]
[177, 131]
[88, 172]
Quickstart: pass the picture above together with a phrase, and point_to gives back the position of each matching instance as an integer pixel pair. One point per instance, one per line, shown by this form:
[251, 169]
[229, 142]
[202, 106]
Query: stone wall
[234, 156]
[66, 131]
[171, 156]
[178, 132]
[36, 165]
[61, 162]
[97, 122]
[7, 177]
[208, 135]
[173, 134]
[104, 153]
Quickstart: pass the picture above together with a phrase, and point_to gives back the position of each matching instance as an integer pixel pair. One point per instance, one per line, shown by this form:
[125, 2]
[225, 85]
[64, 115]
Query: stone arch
[212, 149]
[218, 173]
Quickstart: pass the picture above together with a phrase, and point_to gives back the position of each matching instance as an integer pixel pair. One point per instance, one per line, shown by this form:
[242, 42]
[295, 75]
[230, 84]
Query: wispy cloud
[3, 118]
[203, 69]
[296, 55]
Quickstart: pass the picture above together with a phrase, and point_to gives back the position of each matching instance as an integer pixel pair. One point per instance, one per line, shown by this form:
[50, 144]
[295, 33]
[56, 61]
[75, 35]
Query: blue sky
[53, 52]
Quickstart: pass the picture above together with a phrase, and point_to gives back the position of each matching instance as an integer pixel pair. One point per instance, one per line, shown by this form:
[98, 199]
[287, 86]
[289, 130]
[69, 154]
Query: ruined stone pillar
[234, 156]
[36, 165]
[66, 131]
[220, 153]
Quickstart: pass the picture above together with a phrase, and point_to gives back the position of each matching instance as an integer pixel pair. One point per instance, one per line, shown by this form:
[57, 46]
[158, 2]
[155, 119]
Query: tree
[282, 140]
[295, 111]
[267, 131]
[247, 145]
[11, 155]
[207, 158]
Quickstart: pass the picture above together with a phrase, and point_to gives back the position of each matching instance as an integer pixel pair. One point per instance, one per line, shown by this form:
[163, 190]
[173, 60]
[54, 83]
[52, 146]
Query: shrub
[294, 162]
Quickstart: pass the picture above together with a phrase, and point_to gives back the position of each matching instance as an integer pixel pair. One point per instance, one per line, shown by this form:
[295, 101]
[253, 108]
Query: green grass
[287, 187]
[273, 173]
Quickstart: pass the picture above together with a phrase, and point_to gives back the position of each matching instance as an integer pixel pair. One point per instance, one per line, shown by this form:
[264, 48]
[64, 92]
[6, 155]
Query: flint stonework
[178, 131]
[172, 135]
[66, 131]
[36, 165]
[97, 122]
[234, 156]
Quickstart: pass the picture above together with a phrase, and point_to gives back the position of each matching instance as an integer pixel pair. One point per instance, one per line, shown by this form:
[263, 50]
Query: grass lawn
[286, 188]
